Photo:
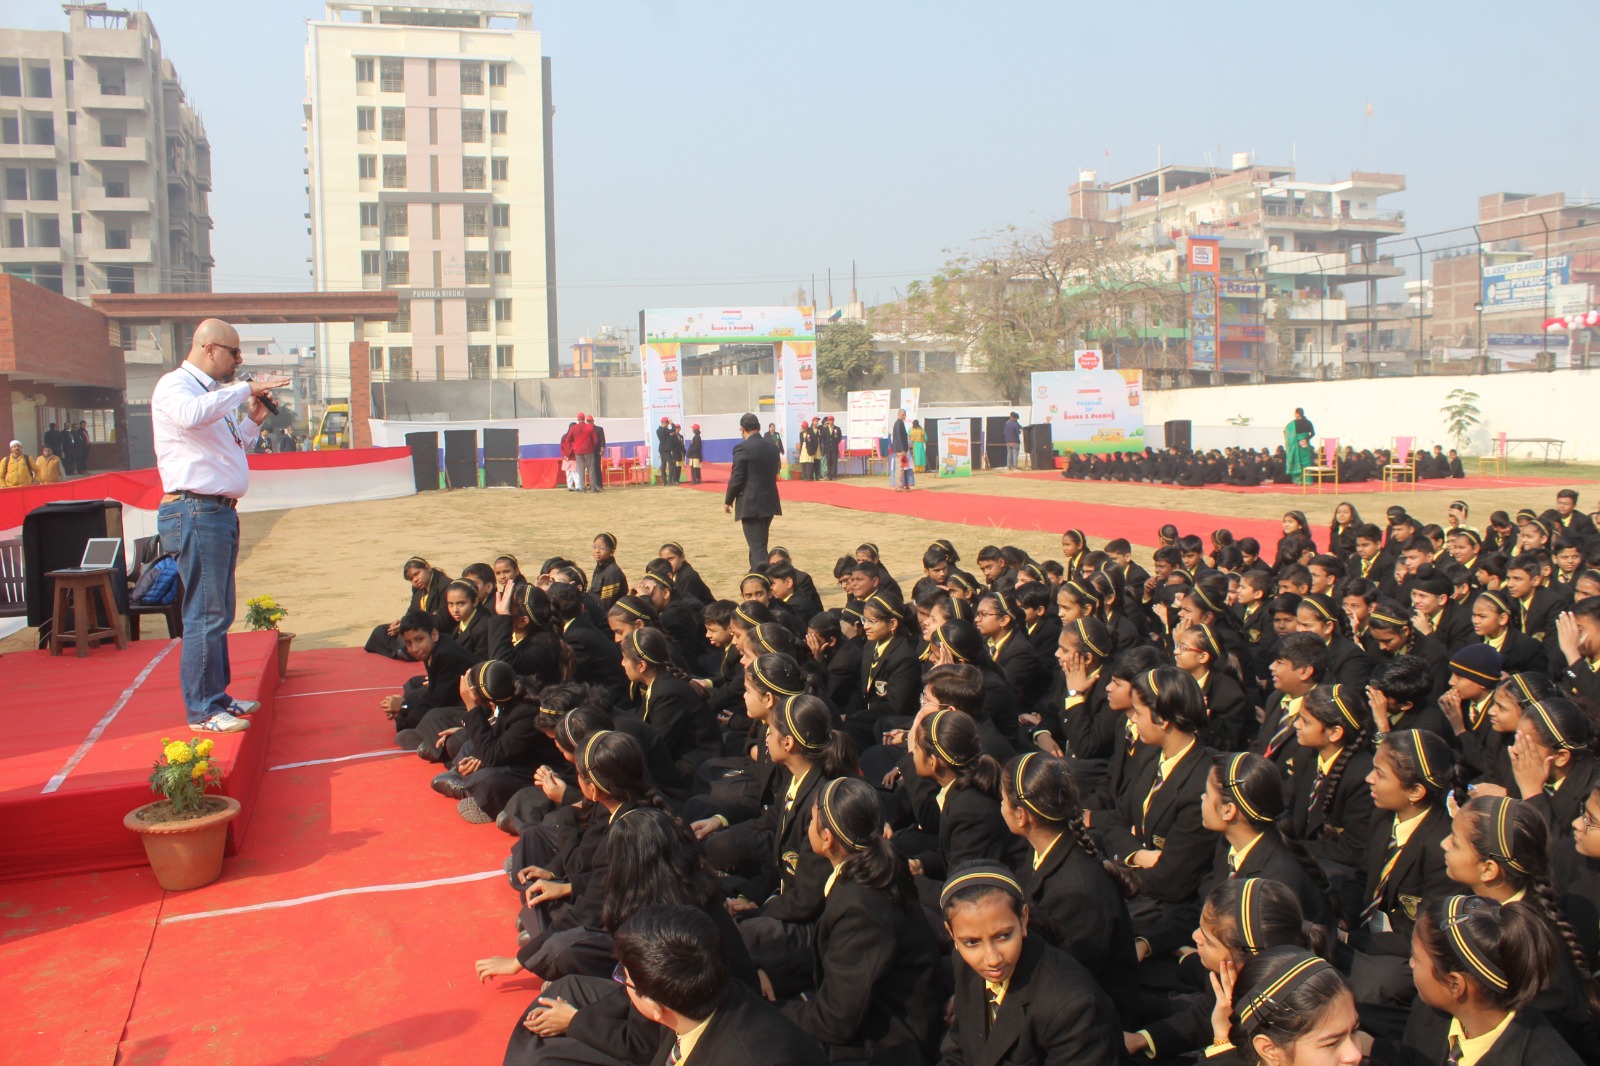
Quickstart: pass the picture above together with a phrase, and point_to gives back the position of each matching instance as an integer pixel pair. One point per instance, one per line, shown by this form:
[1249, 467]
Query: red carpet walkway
[318, 966]
[1455, 486]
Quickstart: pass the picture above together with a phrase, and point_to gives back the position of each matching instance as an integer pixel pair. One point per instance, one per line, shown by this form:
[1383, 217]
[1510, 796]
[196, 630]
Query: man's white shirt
[201, 444]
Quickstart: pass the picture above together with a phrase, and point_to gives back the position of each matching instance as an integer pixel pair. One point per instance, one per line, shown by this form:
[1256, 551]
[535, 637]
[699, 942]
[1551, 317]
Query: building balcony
[36, 254]
[98, 43]
[1384, 267]
[96, 200]
[93, 99]
[132, 150]
[43, 153]
[1310, 309]
[137, 251]
[1277, 261]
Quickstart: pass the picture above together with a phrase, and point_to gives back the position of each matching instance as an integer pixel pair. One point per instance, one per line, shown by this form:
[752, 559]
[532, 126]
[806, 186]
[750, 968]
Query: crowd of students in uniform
[1335, 802]
[1244, 466]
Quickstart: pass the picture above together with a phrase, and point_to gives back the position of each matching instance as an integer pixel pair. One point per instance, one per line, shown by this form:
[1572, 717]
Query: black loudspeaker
[500, 458]
[931, 425]
[53, 538]
[424, 460]
[1040, 444]
[461, 458]
[1178, 434]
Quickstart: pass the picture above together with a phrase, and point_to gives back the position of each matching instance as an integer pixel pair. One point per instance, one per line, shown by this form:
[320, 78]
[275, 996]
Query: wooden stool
[79, 592]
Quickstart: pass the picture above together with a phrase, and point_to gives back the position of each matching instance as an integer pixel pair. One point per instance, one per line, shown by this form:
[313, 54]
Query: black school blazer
[890, 683]
[1020, 663]
[1339, 827]
[679, 715]
[511, 738]
[880, 991]
[970, 827]
[599, 659]
[1529, 1040]
[1171, 827]
[1348, 664]
[1419, 875]
[1229, 715]
[1561, 809]
[1054, 1014]
[795, 874]
[1085, 905]
[746, 1029]
[537, 655]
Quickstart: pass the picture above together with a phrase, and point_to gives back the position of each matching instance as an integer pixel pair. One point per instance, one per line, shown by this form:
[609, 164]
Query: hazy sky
[713, 152]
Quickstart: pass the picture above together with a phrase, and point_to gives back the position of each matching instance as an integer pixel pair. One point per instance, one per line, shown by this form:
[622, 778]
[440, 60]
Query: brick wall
[360, 394]
[50, 338]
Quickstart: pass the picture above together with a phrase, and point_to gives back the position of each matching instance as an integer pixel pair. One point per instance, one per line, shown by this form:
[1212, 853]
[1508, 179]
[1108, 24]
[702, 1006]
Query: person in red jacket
[583, 446]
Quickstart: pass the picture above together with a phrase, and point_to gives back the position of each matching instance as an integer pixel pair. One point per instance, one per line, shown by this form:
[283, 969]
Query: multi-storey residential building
[1302, 242]
[106, 168]
[428, 152]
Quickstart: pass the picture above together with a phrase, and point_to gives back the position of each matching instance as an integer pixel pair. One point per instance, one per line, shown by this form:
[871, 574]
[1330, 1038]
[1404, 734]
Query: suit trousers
[756, 532]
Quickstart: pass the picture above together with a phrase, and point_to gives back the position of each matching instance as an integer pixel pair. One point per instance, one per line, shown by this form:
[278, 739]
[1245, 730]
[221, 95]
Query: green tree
[1461, 413]
[844, 357]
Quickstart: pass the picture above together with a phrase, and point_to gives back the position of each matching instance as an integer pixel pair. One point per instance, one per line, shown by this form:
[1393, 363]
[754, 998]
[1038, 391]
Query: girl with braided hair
[1076, 714]
[1285, 1005]
[1555, 746]
[1331, 807]
[945, 749]
[524, 633]
[1073, 547]
[1111, 585]
[1347, 663]
[669, 704]
[1201, 653]
[498, 746]
[1072, 891]
[1481, 965]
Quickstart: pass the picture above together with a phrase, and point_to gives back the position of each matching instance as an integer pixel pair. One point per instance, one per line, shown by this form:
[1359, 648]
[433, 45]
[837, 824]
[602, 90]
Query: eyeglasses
[1588, 822]
[620, 976]
[231, 351]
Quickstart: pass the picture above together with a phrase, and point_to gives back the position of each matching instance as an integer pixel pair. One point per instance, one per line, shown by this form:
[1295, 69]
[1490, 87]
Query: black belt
[226, 501]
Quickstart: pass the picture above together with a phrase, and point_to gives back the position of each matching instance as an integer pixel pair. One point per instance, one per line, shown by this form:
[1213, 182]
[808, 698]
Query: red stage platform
[84, 734]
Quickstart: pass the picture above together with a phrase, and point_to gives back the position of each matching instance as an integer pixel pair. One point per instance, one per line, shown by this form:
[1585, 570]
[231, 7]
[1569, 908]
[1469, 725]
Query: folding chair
[639, 472]
[1402, 467]
[1496, 461]
[1320, 473]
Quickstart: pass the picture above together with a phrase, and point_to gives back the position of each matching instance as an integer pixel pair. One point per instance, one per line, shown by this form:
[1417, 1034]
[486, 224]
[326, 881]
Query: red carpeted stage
[84, 735]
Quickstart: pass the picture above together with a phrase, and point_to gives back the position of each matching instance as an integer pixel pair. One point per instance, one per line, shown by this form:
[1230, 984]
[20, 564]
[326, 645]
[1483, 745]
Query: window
[112, 136]
[477, 268]
[392, 76]
[113, 84]
[395, 220]
[366, 119]
[477, 315]
[42, 130]
[72, 169]
[397, 268]
[472, 127]
[394, 123]
[369, 263]
[504, 356]
[438, 305]
[10, 80]
[16, 183]
[438, 362]
[77, 222]
[477, 360]
[129, 340]
[364, 69]
[115, 181]
[471, 79]
[501, 215]
[119, 279]
[77, 275]
[402, 319]
[497, 122]
[502, 262]
[369, 215]
[475, 220]
[117, 238]
[375, 358]
[44, 184]
[433, 77]
[499, 169]
[497, 74]
[47, 231]
[72, 118]
[66, 67]
[16, 232]
[10, 130]
[472, 173]
[39, 81]
[368, 165]
[400, 363]
[502, 309]
[394, 172]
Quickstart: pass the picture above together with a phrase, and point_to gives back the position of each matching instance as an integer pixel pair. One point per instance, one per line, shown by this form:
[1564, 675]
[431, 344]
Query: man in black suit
[674, 968]
[754, 484]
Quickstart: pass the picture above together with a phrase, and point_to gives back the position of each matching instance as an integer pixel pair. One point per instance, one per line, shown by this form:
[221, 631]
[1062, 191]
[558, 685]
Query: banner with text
[662, 387]
[1090, 410]
[866, 418]
[795, 393]
[955, 447]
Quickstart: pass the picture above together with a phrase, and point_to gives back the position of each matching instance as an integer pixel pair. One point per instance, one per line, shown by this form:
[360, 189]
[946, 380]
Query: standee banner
[794, 393]
[660, 378]
[866, 418]
[955, 447]
[910, 403]
[1090, 411]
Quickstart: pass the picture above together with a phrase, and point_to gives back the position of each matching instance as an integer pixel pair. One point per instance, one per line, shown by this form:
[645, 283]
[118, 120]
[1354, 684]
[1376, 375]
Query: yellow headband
[826, 804]
[1456, 910]
[1388, 619]
[588, 760]
[1247, 898]
[1538, 708]
[769, 683]
[933, 735]
[1083, 637]
[994, 876]
[1300, 971]
[1150, 679]
[1231, 783]
[1200, 593]
[638, 649]
[1502, 833]
[1022, 765]
[1344, 711]
[1423, 765]
[794, 730]
[629, 608]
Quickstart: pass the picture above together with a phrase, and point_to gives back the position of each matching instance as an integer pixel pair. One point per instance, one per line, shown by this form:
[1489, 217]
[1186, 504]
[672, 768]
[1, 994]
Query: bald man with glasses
[201, 448]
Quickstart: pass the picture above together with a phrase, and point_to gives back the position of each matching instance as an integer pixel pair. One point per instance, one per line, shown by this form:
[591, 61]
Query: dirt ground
[337, 568]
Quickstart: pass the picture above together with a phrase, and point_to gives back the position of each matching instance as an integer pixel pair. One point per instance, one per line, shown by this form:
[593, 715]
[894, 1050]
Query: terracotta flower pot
[185, 854]
[284, 640]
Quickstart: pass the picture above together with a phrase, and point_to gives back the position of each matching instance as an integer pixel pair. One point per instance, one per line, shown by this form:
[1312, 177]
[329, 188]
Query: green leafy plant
[1461, 413]
[183, 773]
[263, 612]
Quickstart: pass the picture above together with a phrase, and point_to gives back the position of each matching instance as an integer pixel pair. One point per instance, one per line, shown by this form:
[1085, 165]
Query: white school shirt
[200, 446]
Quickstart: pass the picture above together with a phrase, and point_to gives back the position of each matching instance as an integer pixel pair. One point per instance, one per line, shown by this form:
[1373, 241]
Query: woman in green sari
[1297, 450]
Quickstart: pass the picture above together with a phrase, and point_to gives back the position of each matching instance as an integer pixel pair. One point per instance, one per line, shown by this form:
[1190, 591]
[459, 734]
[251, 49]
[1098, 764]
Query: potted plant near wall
[263, 612]
[184, 834]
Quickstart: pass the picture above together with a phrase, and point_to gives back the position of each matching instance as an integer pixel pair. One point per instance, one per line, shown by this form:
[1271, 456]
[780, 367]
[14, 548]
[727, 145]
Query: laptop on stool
[99, 554]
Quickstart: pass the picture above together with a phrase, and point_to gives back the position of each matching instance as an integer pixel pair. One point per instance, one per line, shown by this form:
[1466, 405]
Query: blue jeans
[1011, 454]
[205, 536]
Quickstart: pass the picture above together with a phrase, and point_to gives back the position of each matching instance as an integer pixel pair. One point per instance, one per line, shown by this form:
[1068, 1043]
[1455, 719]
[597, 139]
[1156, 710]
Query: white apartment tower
[428, 168]
[106, 168]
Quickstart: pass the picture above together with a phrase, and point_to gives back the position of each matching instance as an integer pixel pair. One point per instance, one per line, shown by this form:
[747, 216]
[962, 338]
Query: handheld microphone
[266, 397]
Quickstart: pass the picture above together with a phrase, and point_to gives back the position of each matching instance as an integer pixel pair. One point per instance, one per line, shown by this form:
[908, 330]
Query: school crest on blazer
[881, 687]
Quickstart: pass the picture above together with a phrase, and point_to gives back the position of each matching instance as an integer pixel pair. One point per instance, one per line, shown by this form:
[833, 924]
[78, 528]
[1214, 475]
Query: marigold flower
[205, 747]
[198, 770]
[178, 752]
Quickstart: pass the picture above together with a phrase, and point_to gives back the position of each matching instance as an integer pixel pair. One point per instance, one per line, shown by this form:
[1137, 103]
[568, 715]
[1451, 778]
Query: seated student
[945, 750]
[1435, 611]
[1358, 597]
[469, 626]
[840, 659]
[1250, 605]
[1553, 761]
[1578, 641]
[879, 994]
[428, 586]
[1413, 773]
[1347, 663]
[1300, 665]
[997, 620]
[668, 703]
[1156, 830]
[680, 615]
[1475, 670]
[1465, 547]
[685, 578]
[1567, 555]
[1481, 964]
[957, 651]
[784, 580]
[1492, 622]
[1017, 999]
[522, 633]
[1368, 559]
[1537, 606]
[1040, 622]
[444, 661]
[608, 581]
[1239, 919]
[1292, 577]
[1229, 715]
[1401, 696]
[1283, 1006]
[1573, 522]
[1392, 635]
[1327, 574]
[498, 746]
[890, 682]
[1078, 719]
[597, 658]
[1329, 800]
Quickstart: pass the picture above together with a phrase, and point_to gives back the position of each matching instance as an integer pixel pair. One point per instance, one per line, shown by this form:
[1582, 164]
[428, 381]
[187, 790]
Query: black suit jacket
[1086, 906]
[1054, 1014]
[1171, 826]
[1339, 827]
[753, 482]
[746, 1029]
[1529, 1040]
[1418, 876]
[599, 659]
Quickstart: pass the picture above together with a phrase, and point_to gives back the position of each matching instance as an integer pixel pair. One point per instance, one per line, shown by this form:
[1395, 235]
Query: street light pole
[1483, 344]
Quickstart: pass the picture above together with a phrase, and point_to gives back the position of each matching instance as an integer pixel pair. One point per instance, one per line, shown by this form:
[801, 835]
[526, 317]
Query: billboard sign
[1521, 286]
[1088, 359]
[1090, 410]
[955, 447]
[730, 325]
